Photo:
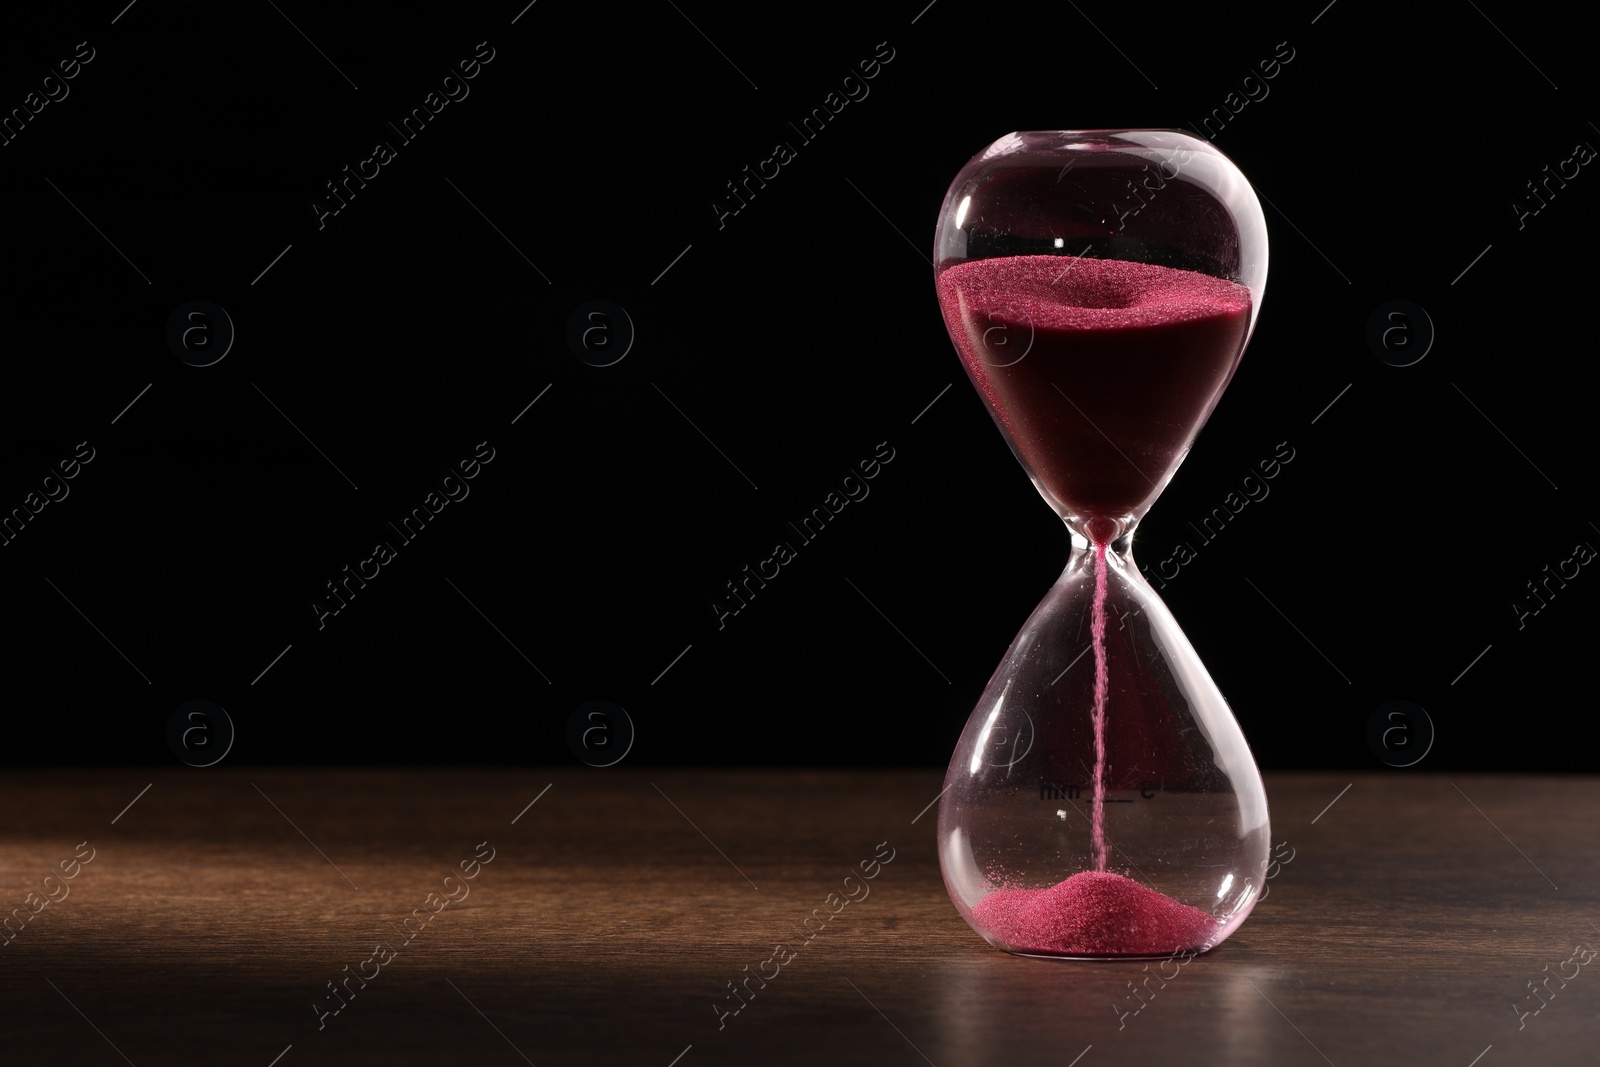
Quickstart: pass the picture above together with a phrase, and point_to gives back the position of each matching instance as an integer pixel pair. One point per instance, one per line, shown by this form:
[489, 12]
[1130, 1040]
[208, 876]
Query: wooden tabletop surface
[607, 911]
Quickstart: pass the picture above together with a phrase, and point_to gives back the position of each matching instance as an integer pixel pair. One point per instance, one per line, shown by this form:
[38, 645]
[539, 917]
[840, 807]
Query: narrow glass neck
[1120, 545]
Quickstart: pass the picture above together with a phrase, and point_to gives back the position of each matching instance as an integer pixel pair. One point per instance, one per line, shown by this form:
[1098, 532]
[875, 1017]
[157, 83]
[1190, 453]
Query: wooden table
[613, 912]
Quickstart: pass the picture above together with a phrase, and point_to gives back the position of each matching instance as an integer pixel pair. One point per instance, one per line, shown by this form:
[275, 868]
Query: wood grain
[616, 909]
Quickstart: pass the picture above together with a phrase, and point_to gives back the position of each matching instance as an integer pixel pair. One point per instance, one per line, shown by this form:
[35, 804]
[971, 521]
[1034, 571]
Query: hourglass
[1100, 287]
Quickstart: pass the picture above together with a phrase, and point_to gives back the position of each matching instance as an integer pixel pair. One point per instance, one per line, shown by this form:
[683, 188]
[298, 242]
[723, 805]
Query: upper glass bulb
[1134, 262]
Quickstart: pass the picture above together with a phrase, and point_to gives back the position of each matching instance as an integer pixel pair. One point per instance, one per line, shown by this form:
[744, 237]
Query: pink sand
[1111, 366]
[1097, 632]
[1093, 913]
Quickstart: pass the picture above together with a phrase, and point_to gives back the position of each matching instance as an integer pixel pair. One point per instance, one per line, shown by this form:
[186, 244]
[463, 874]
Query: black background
[796, 337]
